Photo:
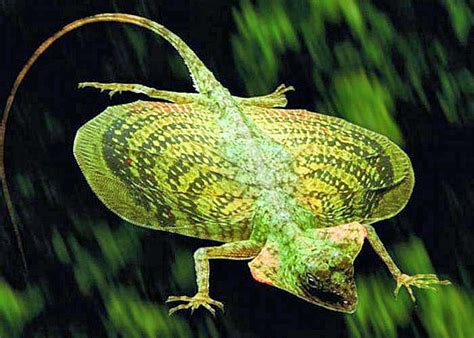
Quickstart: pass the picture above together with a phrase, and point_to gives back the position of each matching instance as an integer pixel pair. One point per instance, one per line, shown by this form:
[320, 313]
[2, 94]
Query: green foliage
[445, 313]
[178, 67]
[53, 126]
[365, 102]
[88, 271]
[461, 18]
[448, 313]
[181, 274]
[378, 313]
[60, 248]
[17, 308]
[139, 45]
[127, 313]
[25, 186]
[454, 89]
[130, 316]
[118, 249]
[265, 33]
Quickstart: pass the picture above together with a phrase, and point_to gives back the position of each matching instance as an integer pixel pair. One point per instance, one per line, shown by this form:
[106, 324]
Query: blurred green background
[401, 68]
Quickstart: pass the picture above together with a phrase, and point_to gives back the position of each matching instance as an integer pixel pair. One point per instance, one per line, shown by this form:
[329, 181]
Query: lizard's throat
[267, 266]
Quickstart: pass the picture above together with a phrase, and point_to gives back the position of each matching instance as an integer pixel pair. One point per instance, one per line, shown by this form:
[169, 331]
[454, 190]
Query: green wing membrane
[345, 173]
[155, 164]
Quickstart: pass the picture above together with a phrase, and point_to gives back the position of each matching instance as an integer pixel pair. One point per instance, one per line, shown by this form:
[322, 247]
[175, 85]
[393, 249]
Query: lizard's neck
[278, 225]
[280, 218]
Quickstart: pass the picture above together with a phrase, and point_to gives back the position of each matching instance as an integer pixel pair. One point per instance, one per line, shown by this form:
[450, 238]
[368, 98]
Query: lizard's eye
[311, 281]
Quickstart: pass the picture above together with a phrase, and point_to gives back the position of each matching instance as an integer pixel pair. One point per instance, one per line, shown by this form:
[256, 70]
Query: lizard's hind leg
[113, 88]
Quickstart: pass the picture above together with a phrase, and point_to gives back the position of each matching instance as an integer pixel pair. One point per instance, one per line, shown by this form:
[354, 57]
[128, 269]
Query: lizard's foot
[420, 281]
[174, 97]
[275, 99]
[112, 87]
[194, 302]
[282, 89]
[279, 96]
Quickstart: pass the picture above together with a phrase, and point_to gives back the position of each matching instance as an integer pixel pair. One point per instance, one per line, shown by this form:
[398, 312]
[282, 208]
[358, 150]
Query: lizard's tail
[203, 81]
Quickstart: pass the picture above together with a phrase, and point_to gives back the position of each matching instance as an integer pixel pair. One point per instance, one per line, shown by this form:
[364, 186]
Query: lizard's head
[317, 266]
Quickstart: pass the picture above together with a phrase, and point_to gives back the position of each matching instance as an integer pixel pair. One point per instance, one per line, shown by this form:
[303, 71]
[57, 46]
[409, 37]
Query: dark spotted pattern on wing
[165, 161]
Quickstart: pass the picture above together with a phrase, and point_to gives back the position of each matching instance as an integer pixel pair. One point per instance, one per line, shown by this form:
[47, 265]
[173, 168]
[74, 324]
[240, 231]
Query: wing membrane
[163, 170]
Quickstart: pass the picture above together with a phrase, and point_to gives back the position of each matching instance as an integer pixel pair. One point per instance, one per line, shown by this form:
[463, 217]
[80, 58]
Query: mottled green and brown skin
[293, 190]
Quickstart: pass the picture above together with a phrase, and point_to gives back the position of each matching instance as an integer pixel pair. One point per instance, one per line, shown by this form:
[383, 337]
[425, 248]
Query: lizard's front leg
[424, 281]
[275, 99]
[272, 100]
[237, 250]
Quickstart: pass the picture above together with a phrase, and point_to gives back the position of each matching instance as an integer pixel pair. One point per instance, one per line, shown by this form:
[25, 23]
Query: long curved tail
[203, 81]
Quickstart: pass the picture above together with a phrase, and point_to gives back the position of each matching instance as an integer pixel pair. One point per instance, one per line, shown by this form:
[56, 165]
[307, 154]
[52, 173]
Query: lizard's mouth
[343, 301]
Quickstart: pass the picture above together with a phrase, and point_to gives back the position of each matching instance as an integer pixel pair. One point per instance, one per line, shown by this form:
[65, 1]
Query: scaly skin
[293, 190]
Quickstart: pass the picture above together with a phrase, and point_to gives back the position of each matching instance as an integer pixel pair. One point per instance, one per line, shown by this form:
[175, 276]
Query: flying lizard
[291, 190]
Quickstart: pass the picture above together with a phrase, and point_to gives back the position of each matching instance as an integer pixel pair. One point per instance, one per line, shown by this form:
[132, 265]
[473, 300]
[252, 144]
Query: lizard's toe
[422, 281]
[195, 302]
[177, 299]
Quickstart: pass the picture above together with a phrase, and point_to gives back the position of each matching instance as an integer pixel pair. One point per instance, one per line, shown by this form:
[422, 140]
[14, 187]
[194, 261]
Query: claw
[113, 92]
[209, 308]
[420, 281]
[194, 302]
[112, 88]
[283, 89]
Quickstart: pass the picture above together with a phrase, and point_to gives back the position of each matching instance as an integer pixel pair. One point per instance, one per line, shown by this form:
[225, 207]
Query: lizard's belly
[156, 165]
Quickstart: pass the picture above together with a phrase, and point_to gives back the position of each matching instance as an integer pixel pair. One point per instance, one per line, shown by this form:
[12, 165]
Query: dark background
[54, 201]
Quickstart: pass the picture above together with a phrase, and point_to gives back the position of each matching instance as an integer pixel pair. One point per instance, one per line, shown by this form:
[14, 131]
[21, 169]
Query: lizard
[293, 191]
